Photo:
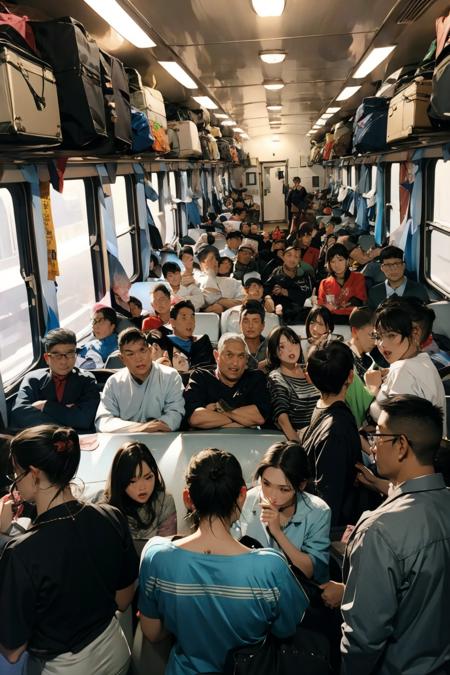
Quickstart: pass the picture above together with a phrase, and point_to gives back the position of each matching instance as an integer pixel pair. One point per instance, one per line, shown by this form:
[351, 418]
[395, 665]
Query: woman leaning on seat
[208, 590]
[62, 582]
[341, 291]
[279, 513]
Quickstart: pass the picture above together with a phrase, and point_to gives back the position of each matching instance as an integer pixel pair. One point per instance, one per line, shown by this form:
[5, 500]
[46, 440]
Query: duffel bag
[117, 102]
[343, 132]
[224, 150]
[141, 132]
[370, 125]
[16, 30]
[161, 143]
[439, 110]
[328, 147]
[75, 58]
[204, 142]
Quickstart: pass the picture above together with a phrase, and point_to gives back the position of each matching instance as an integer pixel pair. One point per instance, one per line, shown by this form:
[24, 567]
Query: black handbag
[306, 653]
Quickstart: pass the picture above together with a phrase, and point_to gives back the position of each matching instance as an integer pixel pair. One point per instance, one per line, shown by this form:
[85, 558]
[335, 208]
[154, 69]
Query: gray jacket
[397, 575]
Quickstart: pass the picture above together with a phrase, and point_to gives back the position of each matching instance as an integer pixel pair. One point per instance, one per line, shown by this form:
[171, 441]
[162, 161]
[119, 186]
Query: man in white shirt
[234, 240]
[178, 291]
[219, 293]
[142, 397]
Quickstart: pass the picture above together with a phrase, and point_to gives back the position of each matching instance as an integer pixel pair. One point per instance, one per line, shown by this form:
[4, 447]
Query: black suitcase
[75, 58]
[117, 103]
[439, 110]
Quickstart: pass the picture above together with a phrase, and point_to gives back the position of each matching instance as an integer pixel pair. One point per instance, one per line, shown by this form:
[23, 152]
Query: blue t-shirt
[214, 603]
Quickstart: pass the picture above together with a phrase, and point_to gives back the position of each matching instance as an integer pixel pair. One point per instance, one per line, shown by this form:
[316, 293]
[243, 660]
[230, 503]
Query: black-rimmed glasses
[372, 438]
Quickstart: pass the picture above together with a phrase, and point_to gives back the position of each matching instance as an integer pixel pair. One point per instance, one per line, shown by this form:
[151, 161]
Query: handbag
[306, 652]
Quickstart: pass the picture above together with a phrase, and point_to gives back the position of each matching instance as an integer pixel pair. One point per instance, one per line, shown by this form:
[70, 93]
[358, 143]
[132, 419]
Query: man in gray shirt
[144, 396]
[397, 562]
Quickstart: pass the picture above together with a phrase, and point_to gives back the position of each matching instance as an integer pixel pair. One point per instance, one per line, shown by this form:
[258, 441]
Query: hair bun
[216, 474]
[63, 441]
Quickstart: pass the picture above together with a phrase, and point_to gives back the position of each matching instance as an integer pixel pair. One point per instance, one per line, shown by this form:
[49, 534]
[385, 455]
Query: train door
[273, 203]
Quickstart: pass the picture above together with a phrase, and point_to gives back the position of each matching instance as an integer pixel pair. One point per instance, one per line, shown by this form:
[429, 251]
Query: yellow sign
[52, 253]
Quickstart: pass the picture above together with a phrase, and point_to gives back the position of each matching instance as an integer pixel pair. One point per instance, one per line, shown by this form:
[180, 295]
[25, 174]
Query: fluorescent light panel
[268, 7]
[372, 60]
[238, 130]
[221, 116]
[274, 56]
[320, 123]
[122, 22]
[228, 123]
[274, 108]
[273, 85]
[180, 75]
[326, 116]
[332, 110]
[206, 102]
[347, 92]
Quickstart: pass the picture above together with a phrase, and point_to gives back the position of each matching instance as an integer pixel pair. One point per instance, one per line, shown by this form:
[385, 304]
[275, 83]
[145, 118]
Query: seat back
[143, 289]
[207, 323]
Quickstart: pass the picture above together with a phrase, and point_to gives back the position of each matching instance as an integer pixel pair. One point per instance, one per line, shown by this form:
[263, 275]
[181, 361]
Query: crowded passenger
[342, 290]
[245, 262]
[243, 593]
[59, 394]
[319, 327]
[62, 582]
[396, 283]
[142, 397]
[226, 267]
[396, 571]
[187, 258]
[251, 324]
[308, 253]
[410, 371]
[279, 513]
[234, 240]
[331, 440]
[296, 198]
[95, 352]
[135, 487]
[293, 397]
[232, 396]
[362, 341]
[288, 289]
[161, 303]
[220, 293]
[197, 349]
[179, 291]
[136, 308]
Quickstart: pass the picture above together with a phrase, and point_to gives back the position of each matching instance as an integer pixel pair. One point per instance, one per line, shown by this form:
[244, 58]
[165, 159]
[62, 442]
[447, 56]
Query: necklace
[70, 516]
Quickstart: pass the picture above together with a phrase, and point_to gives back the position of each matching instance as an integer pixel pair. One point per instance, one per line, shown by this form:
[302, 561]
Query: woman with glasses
[410, 371]
[95, 352]
[293, 397]
[62, 582]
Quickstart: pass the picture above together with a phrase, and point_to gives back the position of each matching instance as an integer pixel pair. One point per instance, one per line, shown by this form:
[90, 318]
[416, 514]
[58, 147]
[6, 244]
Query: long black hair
[291, 458]
[128, 458]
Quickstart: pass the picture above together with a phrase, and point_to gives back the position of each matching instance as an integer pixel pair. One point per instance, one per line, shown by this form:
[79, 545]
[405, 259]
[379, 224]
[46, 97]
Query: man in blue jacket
[59, 394]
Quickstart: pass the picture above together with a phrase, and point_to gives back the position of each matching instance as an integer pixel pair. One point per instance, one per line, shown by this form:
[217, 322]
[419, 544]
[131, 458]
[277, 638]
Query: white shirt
[398, 291]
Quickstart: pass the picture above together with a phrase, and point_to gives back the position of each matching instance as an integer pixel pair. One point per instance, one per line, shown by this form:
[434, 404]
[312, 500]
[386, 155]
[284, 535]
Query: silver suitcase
[29, 112]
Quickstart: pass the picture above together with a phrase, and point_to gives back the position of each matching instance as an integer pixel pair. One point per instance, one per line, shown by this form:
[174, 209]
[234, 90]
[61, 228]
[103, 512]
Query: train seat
[142, 290]
[229, 321]
[208, 323]
[441, 325]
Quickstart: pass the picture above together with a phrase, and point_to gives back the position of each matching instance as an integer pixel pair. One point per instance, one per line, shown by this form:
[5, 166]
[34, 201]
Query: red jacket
[310, 255]
[354, 287]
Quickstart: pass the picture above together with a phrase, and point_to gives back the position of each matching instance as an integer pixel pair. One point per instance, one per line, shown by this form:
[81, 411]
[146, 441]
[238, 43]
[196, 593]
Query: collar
[299, 514]
[398, 291]
[60, 378]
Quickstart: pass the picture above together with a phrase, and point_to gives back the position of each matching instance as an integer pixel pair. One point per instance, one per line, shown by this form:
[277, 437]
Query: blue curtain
[379, 222]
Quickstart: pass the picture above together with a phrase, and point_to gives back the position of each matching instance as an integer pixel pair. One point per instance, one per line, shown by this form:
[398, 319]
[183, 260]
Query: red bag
[161, 143]
[20, 26]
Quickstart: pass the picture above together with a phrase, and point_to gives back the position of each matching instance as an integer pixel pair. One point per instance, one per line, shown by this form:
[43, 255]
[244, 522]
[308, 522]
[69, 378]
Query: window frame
[133, 228]
[430, 227]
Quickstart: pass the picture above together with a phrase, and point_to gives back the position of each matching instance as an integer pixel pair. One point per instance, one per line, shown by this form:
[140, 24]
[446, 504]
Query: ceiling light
[228, 123]
[122, 22]
[320, 123]
[206, 102]
[273, 85]
[178, 74]
[221, 116]
[274, 108]
[246, 137]
[373, 60]
[268, 7]
[238, 130]
[326, 116]
[272, 56]
[347, 93]
[332, 110]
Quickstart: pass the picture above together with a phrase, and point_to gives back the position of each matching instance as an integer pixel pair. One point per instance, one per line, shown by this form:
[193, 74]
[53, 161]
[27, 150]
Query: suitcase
[29, 111]
[75, 59]
[117, 103]
[146, 99]
[342, 139]
[174, 141]
[370, 125]
[408, 110]
[188, 139]
[440, 95]
[213, 148]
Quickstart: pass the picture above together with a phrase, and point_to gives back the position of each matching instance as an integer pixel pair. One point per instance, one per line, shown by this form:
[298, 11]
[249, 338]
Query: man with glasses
[59, 394]
[396, 283]
[397, 563]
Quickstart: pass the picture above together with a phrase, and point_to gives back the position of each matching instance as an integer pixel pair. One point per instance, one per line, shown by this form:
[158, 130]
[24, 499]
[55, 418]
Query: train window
[438, 235]
[124, 229]
[155, 208]
[16, 344]
[394, 197]
[76, 292]
[373, 176]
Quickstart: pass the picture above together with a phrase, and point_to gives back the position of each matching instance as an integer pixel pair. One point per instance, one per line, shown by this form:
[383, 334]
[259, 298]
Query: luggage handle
[38, 100]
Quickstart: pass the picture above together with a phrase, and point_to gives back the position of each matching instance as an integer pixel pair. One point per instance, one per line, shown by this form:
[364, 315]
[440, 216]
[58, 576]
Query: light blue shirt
[214, 603]
[398, 291]
[308, 529]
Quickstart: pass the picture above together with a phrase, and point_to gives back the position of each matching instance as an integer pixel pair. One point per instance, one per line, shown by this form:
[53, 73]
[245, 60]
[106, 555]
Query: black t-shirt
[58, 581]
[204, 387]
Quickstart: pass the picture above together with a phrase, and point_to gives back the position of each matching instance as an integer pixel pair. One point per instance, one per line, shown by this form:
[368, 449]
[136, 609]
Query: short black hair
[239, 211]
[110, 314]
[252, 307]
[183, 304]
[394, 317]
[186, 250]
[361, 316]
[323, 312]
[420, 421]
[131, 335]
[234, 234]
[170, 267]
[163, 288]
[135, 301]
[203, 252]
[291, 458]
[418, 311]
[59, 336]
[329, 366]
[337, 249]
[273, 342]
[391, 252]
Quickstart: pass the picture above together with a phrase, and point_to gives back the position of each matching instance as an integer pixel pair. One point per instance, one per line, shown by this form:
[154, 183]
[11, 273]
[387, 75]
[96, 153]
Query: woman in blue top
[94, 353]
[208, 590]
[278, 513]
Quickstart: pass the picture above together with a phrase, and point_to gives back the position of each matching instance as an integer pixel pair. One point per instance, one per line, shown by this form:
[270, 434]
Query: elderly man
[143, 396]
[232, 396]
